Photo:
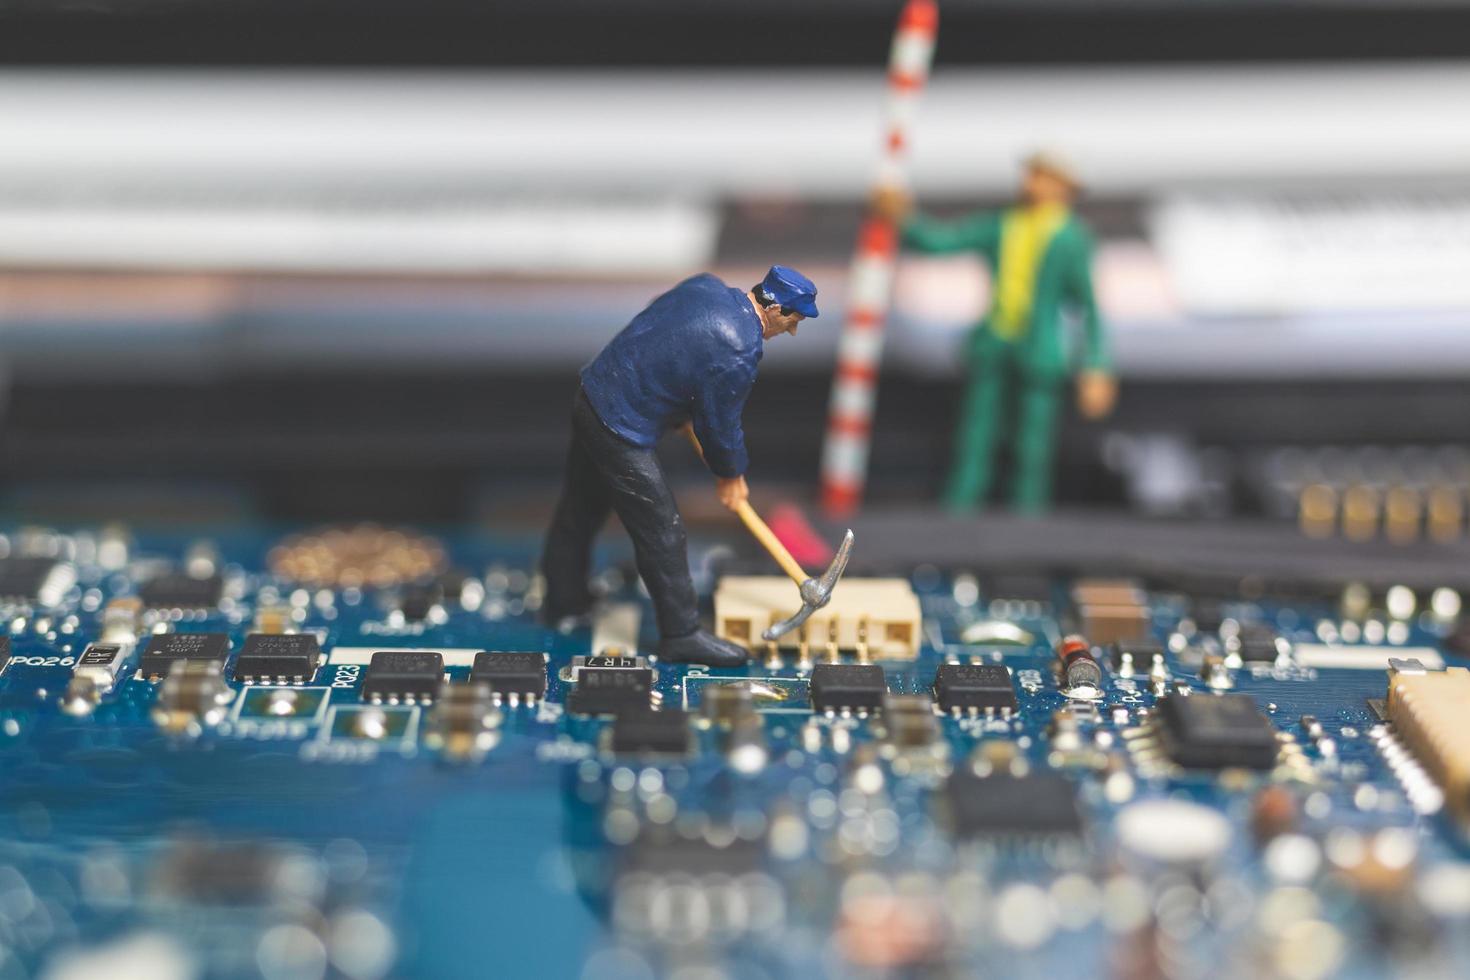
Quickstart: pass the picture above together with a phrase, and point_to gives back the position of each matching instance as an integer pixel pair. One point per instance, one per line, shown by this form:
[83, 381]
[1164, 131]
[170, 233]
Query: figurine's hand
[1096, 392]
[732, 491]
[891, 204]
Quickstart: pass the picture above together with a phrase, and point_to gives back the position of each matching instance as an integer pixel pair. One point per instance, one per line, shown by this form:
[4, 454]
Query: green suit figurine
[1040, 258]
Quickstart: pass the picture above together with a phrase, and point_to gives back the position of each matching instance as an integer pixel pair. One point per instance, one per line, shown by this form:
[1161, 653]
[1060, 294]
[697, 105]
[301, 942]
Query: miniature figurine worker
[1040, 257]
[691, 356]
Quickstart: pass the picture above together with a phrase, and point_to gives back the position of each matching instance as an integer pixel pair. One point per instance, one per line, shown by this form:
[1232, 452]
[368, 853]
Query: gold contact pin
[773, 655]
[1402, 515]
[1360, 506]
[1317, 510]
[1446, 513]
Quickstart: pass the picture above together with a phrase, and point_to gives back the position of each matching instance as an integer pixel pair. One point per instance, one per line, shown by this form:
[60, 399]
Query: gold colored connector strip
[1317, 510]
[1431, 714]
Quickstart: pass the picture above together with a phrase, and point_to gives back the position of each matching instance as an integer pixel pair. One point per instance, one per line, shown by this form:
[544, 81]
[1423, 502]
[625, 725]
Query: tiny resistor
[120, 621]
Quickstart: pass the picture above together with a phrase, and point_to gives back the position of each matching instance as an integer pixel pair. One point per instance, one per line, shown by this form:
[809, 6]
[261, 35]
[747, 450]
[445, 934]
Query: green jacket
[1065, 281]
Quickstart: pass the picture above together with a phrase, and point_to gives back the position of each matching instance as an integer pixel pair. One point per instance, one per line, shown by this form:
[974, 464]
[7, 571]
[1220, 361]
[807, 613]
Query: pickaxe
[815, 592]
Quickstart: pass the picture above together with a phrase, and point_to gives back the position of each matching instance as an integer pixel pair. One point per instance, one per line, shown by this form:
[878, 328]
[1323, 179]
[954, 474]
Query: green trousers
[1003, 401]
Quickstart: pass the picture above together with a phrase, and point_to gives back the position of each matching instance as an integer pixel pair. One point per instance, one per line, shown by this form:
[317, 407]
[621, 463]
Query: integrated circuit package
[1215, 731]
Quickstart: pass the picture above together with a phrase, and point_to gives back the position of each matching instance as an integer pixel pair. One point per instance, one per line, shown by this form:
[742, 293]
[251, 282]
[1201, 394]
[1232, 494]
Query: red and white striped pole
[870, 281]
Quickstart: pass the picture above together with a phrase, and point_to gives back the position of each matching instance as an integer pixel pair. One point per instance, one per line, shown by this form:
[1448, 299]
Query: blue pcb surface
[302, 840]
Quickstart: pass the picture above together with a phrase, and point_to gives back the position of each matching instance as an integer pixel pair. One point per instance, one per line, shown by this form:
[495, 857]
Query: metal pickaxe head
[815, 592]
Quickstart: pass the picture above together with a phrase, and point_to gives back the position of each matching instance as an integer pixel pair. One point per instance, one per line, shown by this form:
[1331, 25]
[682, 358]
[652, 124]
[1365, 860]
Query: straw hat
[1053, 163]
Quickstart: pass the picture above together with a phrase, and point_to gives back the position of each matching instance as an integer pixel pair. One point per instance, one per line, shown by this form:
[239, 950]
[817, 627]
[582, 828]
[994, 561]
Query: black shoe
[701, 647]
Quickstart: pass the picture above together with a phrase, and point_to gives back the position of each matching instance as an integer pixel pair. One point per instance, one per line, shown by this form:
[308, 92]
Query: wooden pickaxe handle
[773, 544]
[758, 527]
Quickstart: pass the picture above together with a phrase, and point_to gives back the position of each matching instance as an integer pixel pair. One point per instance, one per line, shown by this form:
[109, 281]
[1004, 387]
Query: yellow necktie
[1025, 234]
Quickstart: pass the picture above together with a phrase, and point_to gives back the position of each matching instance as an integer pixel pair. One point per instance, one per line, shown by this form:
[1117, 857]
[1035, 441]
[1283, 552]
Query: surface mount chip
[1215, 731]
[909, 721]
[651, 732]
[1257, 643]
[848, 687]
[102, 661]
[512, 674]
[659, 850]
[611, 690]
[1207, 615]
[1001, 804]
[174, 591]
[1017, 586]
[403, 676]
[165, 649]
[1111, 610]
[417, 601]
[278, 656]
[23, 578]
[962, 687]
[1136, 655]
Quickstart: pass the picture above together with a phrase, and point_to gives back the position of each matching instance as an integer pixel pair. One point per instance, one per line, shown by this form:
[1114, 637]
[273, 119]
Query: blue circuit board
[318, 834]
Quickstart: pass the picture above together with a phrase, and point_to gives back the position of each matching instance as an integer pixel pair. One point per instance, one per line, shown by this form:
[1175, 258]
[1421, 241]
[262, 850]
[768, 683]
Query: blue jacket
[691, 355]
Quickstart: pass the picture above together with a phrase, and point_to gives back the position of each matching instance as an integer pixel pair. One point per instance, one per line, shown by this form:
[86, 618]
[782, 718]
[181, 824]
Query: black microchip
[1142, 653]
[1035, 805]
[1024, 586]
[660, 851]
[855, 687]
[22, 578]
[1305, 589]
[278, 656]
[1207, 615]
[182, 592]
[165, 649]
[451, 586]
[417, 600]
[521, 674]
[643, 732]
[403, 675]
[1257, 643]
[610, 690]
[1205, 731]
[964, 686]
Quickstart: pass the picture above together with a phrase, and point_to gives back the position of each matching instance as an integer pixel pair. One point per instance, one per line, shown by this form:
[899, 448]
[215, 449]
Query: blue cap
[791, 289]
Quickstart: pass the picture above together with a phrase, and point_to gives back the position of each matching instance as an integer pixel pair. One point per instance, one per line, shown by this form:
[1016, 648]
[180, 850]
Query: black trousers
[606, 474]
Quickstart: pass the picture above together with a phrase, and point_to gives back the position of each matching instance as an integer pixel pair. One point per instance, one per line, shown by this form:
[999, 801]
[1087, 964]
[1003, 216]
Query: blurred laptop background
[334, 260]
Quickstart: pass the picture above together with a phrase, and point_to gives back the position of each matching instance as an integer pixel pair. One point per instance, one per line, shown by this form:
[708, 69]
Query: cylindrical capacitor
[1273, 813]
[1079, 667]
